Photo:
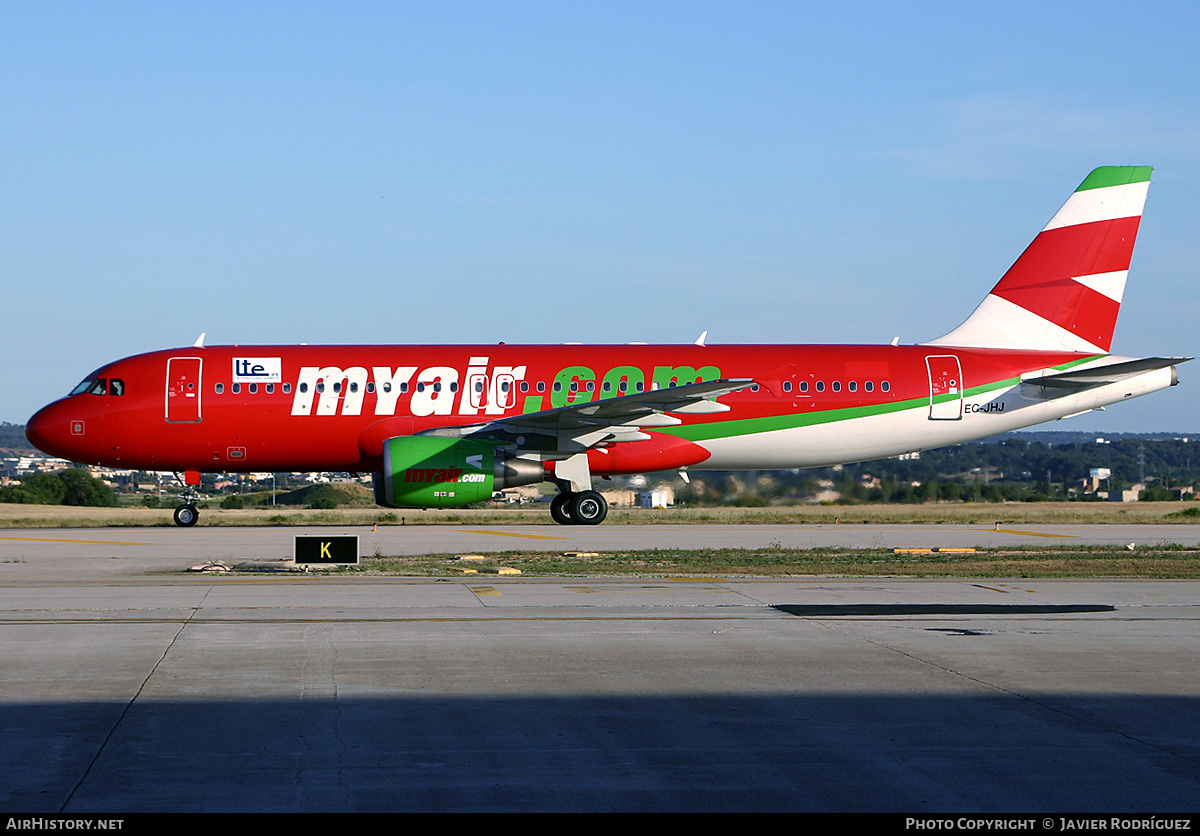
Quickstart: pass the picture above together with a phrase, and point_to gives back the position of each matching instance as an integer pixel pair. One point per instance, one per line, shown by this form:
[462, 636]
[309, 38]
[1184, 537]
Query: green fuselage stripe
[749, 426]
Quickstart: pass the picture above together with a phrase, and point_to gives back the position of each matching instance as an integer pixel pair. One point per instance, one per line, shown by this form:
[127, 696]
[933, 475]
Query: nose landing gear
[187, 514]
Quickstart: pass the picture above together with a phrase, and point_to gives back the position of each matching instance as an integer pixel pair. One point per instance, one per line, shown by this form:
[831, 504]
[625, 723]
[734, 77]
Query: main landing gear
[579, 508]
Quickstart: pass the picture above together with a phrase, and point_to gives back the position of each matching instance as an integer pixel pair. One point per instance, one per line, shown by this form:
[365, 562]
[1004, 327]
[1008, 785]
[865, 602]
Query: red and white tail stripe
[1064, 292]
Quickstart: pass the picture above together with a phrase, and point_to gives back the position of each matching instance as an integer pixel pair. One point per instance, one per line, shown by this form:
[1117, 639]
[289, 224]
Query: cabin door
[183, 389]
[945, 388]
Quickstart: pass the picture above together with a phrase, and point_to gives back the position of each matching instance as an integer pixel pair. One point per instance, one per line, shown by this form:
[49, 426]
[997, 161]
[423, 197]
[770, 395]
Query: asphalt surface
[127, 685]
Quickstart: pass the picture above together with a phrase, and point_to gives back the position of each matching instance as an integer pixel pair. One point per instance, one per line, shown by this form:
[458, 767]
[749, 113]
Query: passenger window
[541, 387]
[837, 386]
[869, 386]
[237, 387]
[287, 388]
[270, 388]
[253, 388]
[852, 386]
[885, 386]
[219, 388]
[787, 386]
[370, 387]
[820, 386]
[804, 386]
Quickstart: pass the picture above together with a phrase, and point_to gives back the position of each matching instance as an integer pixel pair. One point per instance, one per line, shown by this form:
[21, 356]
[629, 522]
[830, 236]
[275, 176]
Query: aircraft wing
[566, 430]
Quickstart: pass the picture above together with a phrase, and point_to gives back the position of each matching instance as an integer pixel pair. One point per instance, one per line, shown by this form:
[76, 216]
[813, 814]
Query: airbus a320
[448, 425]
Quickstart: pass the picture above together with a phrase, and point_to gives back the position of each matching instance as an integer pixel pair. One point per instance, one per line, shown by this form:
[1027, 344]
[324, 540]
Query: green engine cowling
[432, 472]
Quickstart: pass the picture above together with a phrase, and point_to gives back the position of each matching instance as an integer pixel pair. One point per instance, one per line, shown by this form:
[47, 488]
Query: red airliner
[443, 426]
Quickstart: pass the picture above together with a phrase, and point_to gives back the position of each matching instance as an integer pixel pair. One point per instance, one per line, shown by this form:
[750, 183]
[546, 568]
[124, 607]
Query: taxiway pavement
[127, 686]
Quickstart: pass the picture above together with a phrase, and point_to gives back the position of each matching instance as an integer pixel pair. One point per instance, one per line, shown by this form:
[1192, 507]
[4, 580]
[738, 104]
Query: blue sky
[549, 172]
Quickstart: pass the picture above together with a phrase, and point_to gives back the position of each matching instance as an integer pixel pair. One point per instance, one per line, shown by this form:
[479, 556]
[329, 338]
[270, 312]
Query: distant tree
[68, 487]
[48, 488]
[11, 493]
[81, 488]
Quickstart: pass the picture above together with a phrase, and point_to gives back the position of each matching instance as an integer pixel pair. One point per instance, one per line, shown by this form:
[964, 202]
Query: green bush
[67, 487]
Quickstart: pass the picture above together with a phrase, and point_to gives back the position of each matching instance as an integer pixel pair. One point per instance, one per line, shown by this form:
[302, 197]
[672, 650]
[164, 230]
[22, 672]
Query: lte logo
[257, 370]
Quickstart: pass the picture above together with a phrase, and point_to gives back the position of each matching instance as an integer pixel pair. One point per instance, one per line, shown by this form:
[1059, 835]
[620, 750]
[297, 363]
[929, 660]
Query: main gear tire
[560, 509]
[589, 508]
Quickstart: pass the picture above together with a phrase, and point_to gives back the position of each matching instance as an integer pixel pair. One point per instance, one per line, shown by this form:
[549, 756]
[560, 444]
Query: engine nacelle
[431, 472]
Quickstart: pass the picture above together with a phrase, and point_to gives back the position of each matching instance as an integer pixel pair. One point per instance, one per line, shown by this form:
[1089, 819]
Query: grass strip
[1164, 562]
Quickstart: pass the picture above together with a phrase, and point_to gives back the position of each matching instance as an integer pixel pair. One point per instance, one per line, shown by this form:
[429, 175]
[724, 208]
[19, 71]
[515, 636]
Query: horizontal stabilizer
[1076, 380]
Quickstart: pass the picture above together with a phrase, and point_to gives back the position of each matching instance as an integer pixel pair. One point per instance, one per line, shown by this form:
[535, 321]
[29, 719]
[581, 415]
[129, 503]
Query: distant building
[620, 497]
[662, 496]
[1130, 495]
[16, 466]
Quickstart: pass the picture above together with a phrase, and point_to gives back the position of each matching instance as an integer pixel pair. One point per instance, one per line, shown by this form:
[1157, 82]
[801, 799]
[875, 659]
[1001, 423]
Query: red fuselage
[329, 408]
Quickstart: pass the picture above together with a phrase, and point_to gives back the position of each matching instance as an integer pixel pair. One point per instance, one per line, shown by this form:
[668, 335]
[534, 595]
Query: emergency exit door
[945, 388]
[183, 389]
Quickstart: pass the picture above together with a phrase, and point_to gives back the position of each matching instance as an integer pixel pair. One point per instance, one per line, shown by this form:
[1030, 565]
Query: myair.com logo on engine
[441, 474]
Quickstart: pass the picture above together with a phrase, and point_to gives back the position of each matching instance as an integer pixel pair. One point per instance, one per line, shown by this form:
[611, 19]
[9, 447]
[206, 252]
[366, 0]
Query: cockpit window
[92, 386]
[100, 386]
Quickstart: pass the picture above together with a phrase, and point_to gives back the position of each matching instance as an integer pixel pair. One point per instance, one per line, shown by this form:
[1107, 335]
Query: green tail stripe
[1115, 175]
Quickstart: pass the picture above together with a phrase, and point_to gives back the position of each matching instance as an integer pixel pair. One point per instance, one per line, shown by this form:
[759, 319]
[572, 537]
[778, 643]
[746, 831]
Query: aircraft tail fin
[1065, 290]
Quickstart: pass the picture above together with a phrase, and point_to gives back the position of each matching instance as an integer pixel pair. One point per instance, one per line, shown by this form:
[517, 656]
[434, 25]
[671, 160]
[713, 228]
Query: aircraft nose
[49, 430]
